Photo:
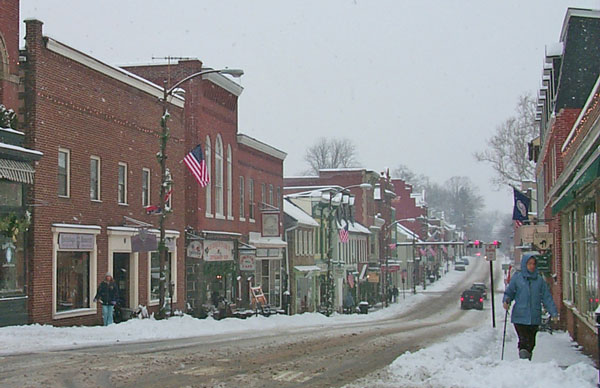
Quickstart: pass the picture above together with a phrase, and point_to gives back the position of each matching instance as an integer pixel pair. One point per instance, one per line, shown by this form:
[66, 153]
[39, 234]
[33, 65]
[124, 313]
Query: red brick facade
[406, 207]
[9, 54]
[90, 113]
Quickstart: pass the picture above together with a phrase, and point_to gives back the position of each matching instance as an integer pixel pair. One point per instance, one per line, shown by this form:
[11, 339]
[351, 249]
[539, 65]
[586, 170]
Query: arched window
[208, 190]
[229, 184]
[219, 176]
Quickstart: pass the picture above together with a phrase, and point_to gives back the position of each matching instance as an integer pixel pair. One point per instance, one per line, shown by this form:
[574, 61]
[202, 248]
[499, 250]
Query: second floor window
[263, 194]
[145, 187]
[95, 178]
[251, 198]
[242, 207]
[64, 166]
[270, 194]
[122, 184]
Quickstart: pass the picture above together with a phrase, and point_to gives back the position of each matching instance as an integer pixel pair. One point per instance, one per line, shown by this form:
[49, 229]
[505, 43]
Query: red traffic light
[476, 243]
[495, 242]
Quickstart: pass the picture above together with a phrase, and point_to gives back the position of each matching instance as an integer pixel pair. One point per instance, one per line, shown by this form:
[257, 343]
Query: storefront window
[590, 260]
[12, 266]
[72, 280]
[570, 250]
[11, 194]
[155, 275]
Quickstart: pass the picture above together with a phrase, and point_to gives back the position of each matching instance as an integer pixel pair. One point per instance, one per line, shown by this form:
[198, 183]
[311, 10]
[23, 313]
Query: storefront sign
[76, 241]
[526, 232]
[543, 241]
[373, 277]
[247, 262]
[195, 249]
[144, 242]
[217, 250]
[270, 224]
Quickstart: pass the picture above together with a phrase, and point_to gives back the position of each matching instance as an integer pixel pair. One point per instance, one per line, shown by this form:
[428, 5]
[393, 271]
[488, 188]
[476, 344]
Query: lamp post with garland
[166, 176]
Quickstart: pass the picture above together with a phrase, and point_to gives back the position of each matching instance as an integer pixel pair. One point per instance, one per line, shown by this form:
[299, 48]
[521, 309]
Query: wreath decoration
[11, 225]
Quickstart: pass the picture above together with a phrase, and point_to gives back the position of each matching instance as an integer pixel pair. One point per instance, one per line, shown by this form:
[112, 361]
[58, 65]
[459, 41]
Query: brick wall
[9, 54]
[89, 113]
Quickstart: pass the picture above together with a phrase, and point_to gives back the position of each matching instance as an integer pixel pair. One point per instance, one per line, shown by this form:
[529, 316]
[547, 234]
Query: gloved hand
[506, 305]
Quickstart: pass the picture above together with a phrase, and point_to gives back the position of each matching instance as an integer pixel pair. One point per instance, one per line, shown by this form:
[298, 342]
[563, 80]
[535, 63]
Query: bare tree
[507, 148]
[463, 202]
[418, 181]
[331, 153]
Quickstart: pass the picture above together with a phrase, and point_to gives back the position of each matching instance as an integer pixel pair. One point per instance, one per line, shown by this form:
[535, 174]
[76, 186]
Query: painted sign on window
[217, 250]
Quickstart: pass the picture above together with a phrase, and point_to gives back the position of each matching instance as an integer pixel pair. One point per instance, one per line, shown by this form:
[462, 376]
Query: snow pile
[472, 360]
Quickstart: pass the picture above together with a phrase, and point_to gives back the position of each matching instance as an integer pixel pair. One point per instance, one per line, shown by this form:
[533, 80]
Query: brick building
[239, 212]
[16, 177]
[566, 203]
[97, 126]
[409, 205]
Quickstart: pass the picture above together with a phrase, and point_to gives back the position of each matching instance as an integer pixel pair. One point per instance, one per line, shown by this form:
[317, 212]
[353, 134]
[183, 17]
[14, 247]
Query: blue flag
[522, 205]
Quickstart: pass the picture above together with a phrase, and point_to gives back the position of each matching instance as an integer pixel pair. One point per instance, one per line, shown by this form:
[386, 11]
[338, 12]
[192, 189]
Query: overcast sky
[420, 83]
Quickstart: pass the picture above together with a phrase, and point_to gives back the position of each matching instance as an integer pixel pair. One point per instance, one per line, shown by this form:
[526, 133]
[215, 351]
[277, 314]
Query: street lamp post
[166, 176]
[330, 218]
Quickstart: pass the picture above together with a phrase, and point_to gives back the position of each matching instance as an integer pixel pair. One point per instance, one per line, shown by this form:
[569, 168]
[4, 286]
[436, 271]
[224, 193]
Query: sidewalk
[33, 338]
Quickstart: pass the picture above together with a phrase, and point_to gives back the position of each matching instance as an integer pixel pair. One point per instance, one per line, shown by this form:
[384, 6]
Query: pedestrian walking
[529, 291]
[108, 294]
[395, 293]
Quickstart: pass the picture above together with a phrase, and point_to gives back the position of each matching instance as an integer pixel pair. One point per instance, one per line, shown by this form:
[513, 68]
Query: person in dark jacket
[108, 294]
[529, 291]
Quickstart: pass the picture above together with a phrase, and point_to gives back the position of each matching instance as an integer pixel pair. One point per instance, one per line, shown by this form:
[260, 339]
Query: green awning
[581, 179]
[16, 171]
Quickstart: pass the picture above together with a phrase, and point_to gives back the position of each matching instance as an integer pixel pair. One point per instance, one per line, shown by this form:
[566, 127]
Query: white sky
[422, 83]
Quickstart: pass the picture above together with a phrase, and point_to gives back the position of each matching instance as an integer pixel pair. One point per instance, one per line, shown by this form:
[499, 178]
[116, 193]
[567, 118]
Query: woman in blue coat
[529, 290]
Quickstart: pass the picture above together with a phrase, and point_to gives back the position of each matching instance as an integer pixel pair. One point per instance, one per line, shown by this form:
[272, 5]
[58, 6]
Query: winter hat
[108, 274]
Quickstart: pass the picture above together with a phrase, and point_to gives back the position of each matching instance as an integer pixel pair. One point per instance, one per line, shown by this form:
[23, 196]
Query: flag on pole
[197, 165]
[521, 207]
[344, 235]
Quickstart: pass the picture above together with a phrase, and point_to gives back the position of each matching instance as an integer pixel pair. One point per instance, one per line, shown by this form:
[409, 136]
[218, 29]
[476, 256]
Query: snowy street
[307, 350]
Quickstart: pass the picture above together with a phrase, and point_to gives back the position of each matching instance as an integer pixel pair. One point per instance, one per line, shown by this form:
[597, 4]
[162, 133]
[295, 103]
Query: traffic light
[497, 243]
[476, 243]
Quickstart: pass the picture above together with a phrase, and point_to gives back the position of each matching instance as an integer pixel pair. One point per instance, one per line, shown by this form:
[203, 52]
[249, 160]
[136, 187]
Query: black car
[481, 288]
[471, 299]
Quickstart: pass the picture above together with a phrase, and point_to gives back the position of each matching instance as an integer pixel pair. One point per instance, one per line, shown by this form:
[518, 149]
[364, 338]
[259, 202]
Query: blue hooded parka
[529, 290]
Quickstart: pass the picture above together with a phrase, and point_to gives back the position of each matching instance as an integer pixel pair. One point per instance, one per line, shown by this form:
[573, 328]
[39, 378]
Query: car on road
[465, 260]
[471, 299]
[481, 287]
[459, 267]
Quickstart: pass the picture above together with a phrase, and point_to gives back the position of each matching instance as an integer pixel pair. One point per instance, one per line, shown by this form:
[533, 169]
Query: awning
[266, 242]
[16, 171]
[586, 174]
[307, 268]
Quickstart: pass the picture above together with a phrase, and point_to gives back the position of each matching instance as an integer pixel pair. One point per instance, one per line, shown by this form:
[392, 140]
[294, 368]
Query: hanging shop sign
[144, 242]
[373, 277]
[218, 250]
[76, 241]
[247, 262]
[270, 224]
[195, 250]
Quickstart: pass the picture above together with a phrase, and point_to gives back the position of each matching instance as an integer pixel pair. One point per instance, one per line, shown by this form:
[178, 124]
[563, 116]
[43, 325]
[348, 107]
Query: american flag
[344, 235]
[197, 165]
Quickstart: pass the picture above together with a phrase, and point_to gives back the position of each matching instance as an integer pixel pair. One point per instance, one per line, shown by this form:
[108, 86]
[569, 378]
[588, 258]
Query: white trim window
[219, 210]
[64, 173]
[74, 268]
[95, 178]
[589, 248]
[153, 275]
[145, 187]
[229, 184]
[263, 195]
[122, 184]
[251, 204]
[570, 268]
[271, 195]
[208, 190]
[242, 200]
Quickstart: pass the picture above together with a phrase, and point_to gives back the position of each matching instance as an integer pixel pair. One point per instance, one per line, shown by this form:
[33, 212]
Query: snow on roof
[300, 177]
[20, 149]
[298, 214]
[357, 227]
[258, 145]
[10, 130]
[407, 232]
[377, 193]
[554, 49]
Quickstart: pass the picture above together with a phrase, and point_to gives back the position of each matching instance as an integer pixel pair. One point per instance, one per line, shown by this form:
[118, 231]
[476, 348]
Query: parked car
[459, 267]
[481, 287]
[471, 299]
[465, 260]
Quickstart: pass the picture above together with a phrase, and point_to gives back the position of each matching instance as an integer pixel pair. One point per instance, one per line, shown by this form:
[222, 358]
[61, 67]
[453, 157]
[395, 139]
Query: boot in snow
[524, 354]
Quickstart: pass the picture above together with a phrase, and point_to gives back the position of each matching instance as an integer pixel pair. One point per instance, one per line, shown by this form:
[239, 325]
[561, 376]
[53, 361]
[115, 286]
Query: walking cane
[504, 334]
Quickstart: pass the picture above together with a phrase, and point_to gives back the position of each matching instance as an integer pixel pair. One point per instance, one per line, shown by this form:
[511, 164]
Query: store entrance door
[121, 274]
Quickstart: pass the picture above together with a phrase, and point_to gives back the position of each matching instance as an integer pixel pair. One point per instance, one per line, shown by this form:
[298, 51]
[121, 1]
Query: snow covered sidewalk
[472, 359]
[33, 338]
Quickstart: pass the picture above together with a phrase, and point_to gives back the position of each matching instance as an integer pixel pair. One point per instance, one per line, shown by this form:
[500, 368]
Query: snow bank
[32, 338]
[472, 360]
